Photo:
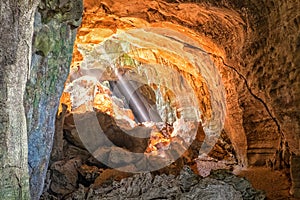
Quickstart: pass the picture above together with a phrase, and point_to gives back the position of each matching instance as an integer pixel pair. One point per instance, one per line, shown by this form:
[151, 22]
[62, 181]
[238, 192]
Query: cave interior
[164, 99]
[170, 84]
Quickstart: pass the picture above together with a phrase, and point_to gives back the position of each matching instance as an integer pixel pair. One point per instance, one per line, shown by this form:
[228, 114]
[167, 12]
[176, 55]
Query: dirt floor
[274, 183]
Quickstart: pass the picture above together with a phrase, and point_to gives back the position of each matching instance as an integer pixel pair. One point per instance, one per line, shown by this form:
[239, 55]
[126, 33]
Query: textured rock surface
[64, 176]
[274, 183]
[246, 40]
[255, 46]
[16, 28]
[74, 165]
[222, 185]
[273, 56]
[295, 176]
[54, 34]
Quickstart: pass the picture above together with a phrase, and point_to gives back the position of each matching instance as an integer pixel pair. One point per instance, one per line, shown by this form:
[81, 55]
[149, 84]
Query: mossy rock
[44, 41]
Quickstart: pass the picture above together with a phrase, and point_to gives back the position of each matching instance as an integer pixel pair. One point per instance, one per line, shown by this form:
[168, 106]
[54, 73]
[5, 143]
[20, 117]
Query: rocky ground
[187, 185]
[74, 173]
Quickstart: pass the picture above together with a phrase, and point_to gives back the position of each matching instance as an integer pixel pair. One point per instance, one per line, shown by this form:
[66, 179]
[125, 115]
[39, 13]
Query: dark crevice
[19, 185]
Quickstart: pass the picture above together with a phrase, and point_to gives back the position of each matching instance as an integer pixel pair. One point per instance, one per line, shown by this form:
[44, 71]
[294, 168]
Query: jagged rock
[72, 151]
[89, 173]
[64, 179]
[205, 167]
[119, 157]
[205, 164]
[107, 176]
[223, 149]
[188, 179]
[240, 184]
[187, 185]
[209, 189]
[78, 195]
[134, 139]
[73, 138]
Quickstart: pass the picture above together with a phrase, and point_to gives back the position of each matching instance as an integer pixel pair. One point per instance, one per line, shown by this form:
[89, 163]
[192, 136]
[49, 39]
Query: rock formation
[54, 33]
[254, 47]
[15, 49]
[221, 185]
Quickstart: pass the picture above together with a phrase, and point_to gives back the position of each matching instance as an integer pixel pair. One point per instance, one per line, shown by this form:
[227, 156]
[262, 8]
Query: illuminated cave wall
[195, 65]
[232, 42]
[253, 45]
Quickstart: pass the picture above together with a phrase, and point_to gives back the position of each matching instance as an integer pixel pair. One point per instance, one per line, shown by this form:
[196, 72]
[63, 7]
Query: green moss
[52, 4]
[127, 60]
[53, 46]
[36, 100]
[66, 11]
[44, 42]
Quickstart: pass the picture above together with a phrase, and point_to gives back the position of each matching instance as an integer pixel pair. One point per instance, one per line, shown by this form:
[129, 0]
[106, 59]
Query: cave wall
[270, 63]
[254, 44]
[55, 26]
[267, 81]
[258, 62]
[16, 28]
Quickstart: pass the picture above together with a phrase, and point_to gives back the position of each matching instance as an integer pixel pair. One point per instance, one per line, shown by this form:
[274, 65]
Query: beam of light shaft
[137, 105]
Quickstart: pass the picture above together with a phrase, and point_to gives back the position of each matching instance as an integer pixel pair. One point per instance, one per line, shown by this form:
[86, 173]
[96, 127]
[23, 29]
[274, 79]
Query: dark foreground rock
[219, 185]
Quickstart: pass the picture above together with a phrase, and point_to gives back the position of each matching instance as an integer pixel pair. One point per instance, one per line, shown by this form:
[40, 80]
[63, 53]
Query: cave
[153, 99]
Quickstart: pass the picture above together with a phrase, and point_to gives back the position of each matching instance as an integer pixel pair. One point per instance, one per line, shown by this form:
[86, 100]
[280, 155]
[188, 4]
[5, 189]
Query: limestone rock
[78, 195]
[64, 176]
[73, 138]
[15, 54]
[107, 176]
[55, 25]
[186, 186]
[89, 173]
[119, 157]
[213, 189]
